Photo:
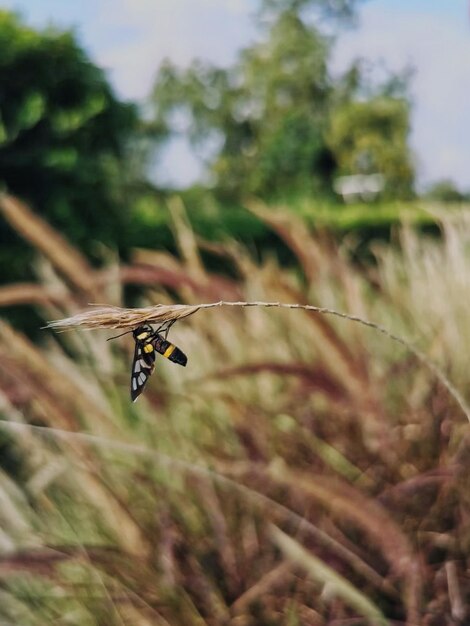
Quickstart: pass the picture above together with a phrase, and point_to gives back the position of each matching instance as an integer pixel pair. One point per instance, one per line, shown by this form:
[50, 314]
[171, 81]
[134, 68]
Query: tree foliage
[338, 9]
[268, 113]
[63, 139]
[446, 191]
[371, 137]
[277, 123]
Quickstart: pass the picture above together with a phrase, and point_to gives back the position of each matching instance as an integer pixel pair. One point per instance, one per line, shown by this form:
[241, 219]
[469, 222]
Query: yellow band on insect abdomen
[169, 351]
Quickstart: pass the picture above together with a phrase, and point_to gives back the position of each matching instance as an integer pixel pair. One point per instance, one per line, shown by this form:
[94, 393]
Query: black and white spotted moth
[147, 343]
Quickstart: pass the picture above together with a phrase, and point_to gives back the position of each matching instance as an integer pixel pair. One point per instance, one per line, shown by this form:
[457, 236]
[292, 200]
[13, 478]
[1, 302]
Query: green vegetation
[373, 137]
[218, 222]
[64, 142]
[277, 123]
[446, 191]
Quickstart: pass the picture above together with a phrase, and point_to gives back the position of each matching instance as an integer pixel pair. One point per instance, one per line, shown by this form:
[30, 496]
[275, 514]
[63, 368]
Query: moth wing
[142, 367]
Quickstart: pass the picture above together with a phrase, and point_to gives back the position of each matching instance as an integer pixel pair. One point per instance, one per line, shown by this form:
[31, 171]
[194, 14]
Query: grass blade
[336, 584]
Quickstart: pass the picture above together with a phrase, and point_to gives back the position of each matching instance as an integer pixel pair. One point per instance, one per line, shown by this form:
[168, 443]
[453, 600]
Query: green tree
[64, 141]
[277, 123]
[268, 114]
[446, 191]
[338, 9]
[372, 137]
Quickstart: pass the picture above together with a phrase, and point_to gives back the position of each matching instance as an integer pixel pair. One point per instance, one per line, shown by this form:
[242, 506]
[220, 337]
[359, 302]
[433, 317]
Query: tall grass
[301, 470]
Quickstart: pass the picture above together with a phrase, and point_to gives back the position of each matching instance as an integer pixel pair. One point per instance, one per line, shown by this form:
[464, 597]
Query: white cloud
[138, 34]
[179, 29]
[438, 47]
[235, 6]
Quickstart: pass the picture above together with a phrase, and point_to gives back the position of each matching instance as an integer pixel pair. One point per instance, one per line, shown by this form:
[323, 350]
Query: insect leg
[165, 327]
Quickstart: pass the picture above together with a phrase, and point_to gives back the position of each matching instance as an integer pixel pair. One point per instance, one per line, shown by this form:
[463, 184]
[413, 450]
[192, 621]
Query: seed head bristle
[115, 317]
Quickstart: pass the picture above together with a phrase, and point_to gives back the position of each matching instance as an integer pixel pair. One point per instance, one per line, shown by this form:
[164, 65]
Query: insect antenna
[121, 335]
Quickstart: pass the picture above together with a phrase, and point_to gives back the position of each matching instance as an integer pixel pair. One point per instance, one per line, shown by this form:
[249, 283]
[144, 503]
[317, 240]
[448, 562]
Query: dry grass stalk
[458, 608]
[56, 386]
[29, 293]
[334, 584]
[294, 232]
[115, 317]
[67, 259]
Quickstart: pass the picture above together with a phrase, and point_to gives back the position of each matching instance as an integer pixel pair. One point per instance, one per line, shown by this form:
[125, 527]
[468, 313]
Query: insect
[147, 343]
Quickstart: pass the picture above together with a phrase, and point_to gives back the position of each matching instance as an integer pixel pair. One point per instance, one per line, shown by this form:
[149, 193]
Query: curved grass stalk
[115, 317]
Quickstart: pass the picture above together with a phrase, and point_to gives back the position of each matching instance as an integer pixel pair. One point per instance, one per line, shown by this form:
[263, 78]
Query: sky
[130, 38]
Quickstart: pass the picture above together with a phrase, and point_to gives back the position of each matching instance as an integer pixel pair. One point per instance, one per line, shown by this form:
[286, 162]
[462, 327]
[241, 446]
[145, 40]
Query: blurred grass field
[301, 470]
